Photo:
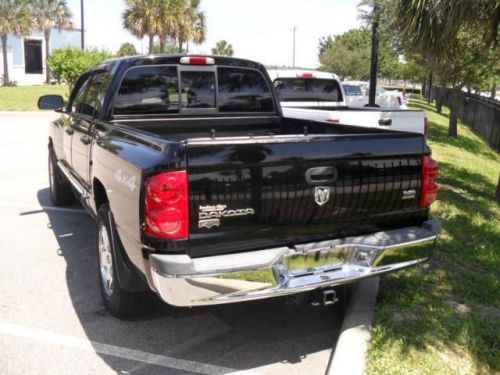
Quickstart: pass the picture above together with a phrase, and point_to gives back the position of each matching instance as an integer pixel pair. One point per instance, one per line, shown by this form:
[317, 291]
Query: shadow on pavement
[239, 336]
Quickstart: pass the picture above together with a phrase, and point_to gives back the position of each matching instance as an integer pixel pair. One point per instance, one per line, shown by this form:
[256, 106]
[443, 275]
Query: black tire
[119, 302]
[61, 193]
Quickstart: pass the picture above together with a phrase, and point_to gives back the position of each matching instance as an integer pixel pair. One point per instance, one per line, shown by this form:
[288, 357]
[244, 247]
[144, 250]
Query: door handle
[321, 175]
[385, 121]
[85, 139]
[70, 131]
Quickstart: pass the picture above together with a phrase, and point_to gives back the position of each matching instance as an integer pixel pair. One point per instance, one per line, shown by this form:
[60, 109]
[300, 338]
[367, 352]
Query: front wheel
[119, 302]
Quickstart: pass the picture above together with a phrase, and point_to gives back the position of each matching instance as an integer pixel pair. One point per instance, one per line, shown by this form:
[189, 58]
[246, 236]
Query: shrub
[68, 63]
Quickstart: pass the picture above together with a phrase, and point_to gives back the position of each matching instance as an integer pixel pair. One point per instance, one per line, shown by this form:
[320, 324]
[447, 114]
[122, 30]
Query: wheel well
[100, 195]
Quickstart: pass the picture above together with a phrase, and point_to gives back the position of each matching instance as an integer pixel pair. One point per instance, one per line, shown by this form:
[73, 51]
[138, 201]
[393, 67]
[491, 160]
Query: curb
[349, 356]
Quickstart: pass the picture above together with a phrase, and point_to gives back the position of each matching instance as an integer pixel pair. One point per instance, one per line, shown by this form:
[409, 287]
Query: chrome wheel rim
[105, 260]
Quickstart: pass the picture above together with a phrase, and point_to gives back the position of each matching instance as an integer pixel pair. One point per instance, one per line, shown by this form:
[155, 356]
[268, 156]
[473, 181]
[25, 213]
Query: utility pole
[374, 58]
[83, 25]
[294, 28]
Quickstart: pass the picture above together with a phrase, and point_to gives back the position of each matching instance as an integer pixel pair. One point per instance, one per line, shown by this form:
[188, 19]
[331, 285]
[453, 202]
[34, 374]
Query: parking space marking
[116, 351]
[43, 208]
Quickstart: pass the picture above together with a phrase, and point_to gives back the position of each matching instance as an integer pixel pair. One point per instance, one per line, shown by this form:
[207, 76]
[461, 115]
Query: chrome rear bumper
[184, 281]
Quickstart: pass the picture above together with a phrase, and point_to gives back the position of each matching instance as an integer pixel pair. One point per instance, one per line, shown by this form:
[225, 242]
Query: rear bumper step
[184, 281]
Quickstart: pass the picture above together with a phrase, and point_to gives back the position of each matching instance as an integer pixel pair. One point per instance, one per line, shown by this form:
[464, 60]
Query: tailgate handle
[321, 175]
[385, 121]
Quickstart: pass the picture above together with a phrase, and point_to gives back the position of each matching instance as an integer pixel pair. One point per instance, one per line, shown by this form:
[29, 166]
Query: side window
[92, 103]
[243, 90]
[148, 90]
[198, 89]
[80, 95]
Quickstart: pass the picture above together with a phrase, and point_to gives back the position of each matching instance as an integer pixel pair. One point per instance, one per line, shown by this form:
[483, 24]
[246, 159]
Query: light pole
[294, 28]
[374, 58]
[83, 25]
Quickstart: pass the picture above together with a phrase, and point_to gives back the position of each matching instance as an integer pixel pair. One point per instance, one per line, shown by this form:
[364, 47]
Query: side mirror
[54, 102]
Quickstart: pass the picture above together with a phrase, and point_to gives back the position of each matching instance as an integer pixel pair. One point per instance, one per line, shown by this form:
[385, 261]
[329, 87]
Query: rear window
[149, 89]
[243, 90]
[157, 90]
[198, 89]
[352, 90]
[307, 89]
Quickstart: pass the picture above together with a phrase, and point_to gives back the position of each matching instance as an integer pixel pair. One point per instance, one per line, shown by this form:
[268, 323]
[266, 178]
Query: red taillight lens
[430, 169]
[197, 60]
[426, 126]
[166, 211]
[307, 75]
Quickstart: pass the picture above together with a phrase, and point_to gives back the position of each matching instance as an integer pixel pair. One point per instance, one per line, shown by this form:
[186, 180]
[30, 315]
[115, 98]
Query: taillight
[197, 60]
[306, 75]
[430, 169]
[166, 212]
[426, 126]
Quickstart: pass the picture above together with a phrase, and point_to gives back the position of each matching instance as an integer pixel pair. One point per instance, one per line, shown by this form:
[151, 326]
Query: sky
[260, 30]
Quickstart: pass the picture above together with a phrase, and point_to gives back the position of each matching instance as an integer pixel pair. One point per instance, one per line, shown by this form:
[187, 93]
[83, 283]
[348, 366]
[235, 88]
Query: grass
[444, 317]
[25, 98]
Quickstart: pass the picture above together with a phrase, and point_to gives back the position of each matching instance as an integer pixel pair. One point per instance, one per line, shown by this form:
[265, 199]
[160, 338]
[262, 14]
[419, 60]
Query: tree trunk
[429, 89]
[439, 104]
[151, 44]
[46, 34]
[497, 195]
[423, 89]
[162, 44]
[453, 123]
[493, 93]
[6, 78]
[180, 45]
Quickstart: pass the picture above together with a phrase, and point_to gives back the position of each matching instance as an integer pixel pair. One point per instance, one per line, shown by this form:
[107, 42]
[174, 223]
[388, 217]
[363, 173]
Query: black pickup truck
[205, 194]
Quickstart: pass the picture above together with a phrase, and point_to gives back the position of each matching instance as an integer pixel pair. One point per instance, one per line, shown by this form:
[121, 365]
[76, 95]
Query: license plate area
[316, 261]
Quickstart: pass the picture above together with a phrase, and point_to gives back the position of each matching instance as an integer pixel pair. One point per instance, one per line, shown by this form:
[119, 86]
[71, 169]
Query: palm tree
[443, 31]
[140, 18]
[190, 23]
[50, 14]
[168, 12]
[15, 18]
[223, 48]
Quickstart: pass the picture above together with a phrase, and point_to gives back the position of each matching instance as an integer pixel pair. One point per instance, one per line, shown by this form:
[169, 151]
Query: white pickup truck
[356, 95]
[319, 96]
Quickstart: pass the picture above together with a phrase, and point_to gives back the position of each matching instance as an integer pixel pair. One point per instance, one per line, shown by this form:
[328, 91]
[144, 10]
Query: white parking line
[49, 208]
[116, 351]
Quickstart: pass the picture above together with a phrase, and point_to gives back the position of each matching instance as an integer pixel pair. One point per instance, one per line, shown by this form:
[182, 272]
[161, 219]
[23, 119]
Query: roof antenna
[212, 133]
[306, 131]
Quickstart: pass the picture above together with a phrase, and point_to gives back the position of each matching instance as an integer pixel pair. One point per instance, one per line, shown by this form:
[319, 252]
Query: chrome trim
[184, 281]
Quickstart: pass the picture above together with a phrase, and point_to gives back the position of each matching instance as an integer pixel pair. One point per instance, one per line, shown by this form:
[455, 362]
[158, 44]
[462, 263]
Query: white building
[26, 55]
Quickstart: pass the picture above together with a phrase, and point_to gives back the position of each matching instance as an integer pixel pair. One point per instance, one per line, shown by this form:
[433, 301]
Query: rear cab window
[172, 89]
[352, 90]
[308, 89]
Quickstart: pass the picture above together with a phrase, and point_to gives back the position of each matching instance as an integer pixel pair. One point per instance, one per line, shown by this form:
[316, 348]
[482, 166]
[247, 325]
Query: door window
[80, 94]
[91, 104]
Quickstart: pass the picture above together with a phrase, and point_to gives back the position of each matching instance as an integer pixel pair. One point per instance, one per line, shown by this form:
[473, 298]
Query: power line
[252, 33]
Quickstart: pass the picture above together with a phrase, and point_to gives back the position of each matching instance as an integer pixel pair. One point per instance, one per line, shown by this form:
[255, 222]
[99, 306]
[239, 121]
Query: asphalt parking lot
[52, 319]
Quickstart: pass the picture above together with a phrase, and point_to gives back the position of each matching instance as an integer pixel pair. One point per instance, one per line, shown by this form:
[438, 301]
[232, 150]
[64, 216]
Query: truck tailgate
[251, 193]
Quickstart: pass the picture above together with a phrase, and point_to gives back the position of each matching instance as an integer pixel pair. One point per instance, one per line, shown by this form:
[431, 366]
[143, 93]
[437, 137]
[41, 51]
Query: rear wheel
[60, 188]
[119, 302]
